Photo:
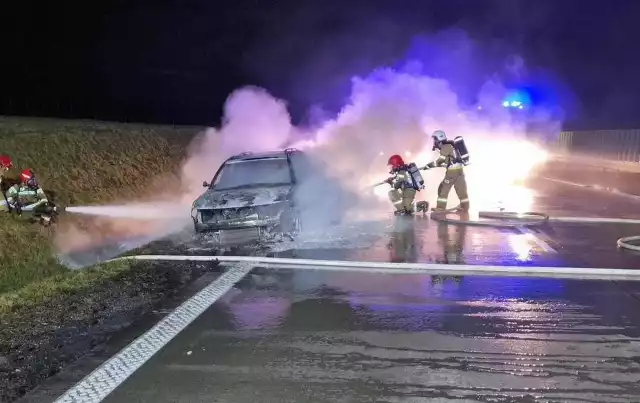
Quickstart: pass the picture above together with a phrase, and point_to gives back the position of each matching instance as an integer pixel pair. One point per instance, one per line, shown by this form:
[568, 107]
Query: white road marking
[113, 372]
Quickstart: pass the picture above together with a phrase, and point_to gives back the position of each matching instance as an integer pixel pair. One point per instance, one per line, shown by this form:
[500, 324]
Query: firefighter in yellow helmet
[454, 175]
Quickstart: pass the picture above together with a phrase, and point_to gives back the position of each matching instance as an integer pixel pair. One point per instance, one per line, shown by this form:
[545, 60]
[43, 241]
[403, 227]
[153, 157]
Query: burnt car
[251, 197]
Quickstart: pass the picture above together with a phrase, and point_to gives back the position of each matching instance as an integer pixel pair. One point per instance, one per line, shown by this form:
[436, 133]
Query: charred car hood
[243, 197]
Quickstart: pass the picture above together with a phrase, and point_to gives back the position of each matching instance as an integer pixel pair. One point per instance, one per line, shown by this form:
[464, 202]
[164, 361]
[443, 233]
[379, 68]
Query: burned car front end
[250, 198]
[248, 214]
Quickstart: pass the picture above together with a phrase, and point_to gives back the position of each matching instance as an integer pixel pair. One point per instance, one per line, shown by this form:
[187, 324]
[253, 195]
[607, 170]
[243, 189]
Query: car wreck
[251, 198]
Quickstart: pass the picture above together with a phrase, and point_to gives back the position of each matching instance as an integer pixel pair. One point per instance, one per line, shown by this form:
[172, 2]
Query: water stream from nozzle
[141, 211]
[171, 218]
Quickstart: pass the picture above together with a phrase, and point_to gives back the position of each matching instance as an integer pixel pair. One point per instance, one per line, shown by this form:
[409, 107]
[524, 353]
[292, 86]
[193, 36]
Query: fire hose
[501, 219]
[507, 219]
[504, 219]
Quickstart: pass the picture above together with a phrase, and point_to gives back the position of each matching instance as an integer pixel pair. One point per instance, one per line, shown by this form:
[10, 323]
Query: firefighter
[453, 177]
[6, 163]
[403, 190]
[29, 196]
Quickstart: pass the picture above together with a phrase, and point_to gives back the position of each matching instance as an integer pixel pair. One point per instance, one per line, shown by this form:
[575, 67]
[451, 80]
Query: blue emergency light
[517, 100]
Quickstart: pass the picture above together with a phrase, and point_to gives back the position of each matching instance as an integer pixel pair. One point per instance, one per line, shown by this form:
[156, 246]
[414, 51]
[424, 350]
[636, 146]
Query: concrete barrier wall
[612, 145]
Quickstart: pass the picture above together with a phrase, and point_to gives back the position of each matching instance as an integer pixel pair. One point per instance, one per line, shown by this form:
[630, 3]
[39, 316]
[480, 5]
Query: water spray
[141, 211]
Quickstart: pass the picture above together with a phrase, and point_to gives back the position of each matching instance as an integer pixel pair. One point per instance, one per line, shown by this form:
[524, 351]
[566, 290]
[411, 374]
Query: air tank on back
[461, 149]
[416, 176]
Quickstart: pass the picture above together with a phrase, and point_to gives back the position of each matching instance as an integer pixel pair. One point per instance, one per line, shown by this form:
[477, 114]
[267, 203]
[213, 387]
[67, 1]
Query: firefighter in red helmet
[403, 191]
[6, 163]
[28, 195]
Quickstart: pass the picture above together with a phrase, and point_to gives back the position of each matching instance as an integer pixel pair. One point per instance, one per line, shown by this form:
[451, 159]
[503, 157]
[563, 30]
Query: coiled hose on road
[502, 219]
[507, 219]
[628, 243]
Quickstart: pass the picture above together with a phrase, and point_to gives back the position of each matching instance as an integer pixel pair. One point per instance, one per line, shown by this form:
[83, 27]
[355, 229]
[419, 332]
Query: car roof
[278, 154]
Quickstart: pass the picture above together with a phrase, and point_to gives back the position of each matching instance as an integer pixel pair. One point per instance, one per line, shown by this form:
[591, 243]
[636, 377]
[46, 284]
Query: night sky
[170, 61]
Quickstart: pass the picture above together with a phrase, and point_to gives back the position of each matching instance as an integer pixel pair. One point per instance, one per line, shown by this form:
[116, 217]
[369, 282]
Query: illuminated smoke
[253, 121]
[390, 111]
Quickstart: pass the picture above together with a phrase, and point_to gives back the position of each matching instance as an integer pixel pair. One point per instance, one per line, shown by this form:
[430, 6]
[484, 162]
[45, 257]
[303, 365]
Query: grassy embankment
[84, 162]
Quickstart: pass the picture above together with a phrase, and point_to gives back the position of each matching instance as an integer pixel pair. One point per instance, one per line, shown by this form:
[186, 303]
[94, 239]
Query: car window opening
[258, 172]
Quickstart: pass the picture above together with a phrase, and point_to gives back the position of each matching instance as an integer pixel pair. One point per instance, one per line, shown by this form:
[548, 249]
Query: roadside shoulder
[48, 327]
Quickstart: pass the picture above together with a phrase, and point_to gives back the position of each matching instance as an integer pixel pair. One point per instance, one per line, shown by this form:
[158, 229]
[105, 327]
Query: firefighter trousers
[402, 199]
[35, 210]
[453, 178]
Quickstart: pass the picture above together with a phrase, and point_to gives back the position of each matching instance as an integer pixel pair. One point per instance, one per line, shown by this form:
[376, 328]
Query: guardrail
[612, 145]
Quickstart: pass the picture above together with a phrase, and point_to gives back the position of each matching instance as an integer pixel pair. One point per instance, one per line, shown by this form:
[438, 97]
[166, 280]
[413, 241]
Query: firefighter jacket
[24, 195]
[401, 179]
[447, 159]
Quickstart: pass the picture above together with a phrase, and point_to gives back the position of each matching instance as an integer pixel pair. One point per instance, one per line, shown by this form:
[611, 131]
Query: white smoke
[389, 112]
[253, 121]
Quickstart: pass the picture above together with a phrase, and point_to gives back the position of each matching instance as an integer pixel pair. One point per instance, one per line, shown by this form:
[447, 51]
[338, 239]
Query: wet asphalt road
[364, 338]
[299, 336]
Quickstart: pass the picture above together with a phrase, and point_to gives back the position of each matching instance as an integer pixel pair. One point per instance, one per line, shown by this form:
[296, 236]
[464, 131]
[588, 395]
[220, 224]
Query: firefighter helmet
[6, 161]
[28, 177]
[439, 135]
[395, 161]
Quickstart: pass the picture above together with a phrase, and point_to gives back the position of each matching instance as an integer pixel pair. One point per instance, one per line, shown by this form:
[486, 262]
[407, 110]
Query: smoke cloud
[392, 110]
[253, 121]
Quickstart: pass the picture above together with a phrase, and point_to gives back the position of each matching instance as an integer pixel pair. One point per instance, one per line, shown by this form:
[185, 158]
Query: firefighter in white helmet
[450, 158]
